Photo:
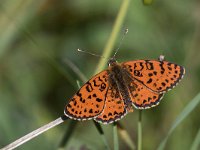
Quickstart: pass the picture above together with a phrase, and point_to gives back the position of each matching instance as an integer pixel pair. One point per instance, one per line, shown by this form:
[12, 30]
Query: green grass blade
[116, 28]
[196, 142]
[115, 136]
[124, 135]
[147, 2]
[12, 19]
[186, 111]
[140, 131]
[100, 130]
[68, 133]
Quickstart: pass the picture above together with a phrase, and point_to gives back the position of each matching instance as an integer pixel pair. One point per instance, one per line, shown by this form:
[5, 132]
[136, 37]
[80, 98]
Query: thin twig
[33, 134]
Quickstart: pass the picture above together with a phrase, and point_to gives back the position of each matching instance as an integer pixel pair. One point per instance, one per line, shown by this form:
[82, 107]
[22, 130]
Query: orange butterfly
[110, 95]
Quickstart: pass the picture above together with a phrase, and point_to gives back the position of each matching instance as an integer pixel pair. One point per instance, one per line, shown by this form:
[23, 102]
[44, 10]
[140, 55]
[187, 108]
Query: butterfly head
[112, 61]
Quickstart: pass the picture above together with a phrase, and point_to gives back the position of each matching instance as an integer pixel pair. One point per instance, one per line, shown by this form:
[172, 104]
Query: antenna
[123, 36]
[79, 50]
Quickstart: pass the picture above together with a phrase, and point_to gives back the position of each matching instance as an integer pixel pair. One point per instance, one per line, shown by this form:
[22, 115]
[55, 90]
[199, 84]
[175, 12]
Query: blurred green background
[37, 38]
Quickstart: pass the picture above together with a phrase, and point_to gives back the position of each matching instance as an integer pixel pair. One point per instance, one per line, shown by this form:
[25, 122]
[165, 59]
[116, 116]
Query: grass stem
[140, 130]
[115, 136]
[115, 30]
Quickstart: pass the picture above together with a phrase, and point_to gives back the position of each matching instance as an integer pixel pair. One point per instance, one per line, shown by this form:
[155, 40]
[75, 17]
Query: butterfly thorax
[118, 79]
[112, 62]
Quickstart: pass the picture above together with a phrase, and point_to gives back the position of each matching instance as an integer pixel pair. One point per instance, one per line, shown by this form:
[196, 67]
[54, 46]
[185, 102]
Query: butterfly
[112, 93]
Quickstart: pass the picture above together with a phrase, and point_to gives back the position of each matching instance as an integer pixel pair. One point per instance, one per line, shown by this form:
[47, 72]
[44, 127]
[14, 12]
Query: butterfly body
[110, 95]
[118, 78]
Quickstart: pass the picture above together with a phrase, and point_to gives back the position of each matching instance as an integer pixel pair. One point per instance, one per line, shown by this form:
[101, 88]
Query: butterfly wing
[114, 108]
[89, 101]
[159, 76]
[142, 97]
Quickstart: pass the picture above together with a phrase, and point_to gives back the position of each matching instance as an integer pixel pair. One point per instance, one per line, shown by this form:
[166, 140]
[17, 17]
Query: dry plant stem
[116, 28]
[33, 134]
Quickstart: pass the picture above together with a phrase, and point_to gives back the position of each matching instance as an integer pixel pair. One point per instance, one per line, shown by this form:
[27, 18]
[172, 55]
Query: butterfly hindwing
[114, 108]
[89, 101]
[142, 97]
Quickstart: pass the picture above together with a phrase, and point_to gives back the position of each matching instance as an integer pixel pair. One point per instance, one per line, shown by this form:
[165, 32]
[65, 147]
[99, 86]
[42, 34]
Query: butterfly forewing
[158, 76]
[89, 101]
[114, 108]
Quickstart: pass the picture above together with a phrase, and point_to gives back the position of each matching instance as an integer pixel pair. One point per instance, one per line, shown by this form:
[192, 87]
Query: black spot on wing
[99, 100]
[149, 81]
[149, 65]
